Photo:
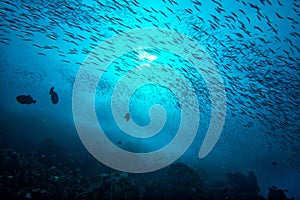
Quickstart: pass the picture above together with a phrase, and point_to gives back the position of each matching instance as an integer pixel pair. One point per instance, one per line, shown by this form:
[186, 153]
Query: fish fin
[51, 90]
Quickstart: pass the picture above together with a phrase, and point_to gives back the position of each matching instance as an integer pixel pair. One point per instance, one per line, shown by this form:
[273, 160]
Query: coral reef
[116, 186]
[53, 173]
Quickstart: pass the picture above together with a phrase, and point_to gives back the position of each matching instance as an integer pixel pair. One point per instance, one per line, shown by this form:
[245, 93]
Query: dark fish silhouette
[127, 117]
[25, 99]
[54, 96]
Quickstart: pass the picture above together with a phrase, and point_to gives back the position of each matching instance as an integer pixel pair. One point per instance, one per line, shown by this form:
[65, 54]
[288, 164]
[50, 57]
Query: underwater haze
[164, 99]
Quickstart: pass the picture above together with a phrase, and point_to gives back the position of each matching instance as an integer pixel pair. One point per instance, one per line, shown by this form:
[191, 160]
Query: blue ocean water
[254, 46]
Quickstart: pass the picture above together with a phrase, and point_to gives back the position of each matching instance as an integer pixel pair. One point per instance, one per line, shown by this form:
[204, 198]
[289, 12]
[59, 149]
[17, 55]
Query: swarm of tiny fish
[257, 56]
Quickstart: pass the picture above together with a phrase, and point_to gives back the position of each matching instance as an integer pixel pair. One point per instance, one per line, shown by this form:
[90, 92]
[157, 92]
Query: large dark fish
[25, 99]
[54, 96]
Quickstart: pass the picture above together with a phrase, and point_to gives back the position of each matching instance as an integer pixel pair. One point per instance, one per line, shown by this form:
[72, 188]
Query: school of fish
[258, 59]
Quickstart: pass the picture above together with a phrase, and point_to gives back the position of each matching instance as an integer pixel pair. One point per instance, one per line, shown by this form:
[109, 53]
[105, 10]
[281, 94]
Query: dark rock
[243, 187]
[117, 186]
[277, 194]
[185, 182]
[178, 182]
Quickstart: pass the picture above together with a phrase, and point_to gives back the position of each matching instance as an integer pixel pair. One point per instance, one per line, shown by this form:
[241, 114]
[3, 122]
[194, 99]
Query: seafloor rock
[53, 173]
[117, 186]
[48, 148]
[243, 187]
[185, 182]
[181, 182]
[51, 154]
[24, 176]
[277, 194]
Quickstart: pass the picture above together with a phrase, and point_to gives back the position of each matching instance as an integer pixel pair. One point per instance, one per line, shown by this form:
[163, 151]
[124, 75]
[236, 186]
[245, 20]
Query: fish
[279, 16]
[256, 27]
[127, 116]
[239, 35]
[258, 59]
[25, 99]
[242, 11]
[279, 3]
[254, 6]
[54, 96]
